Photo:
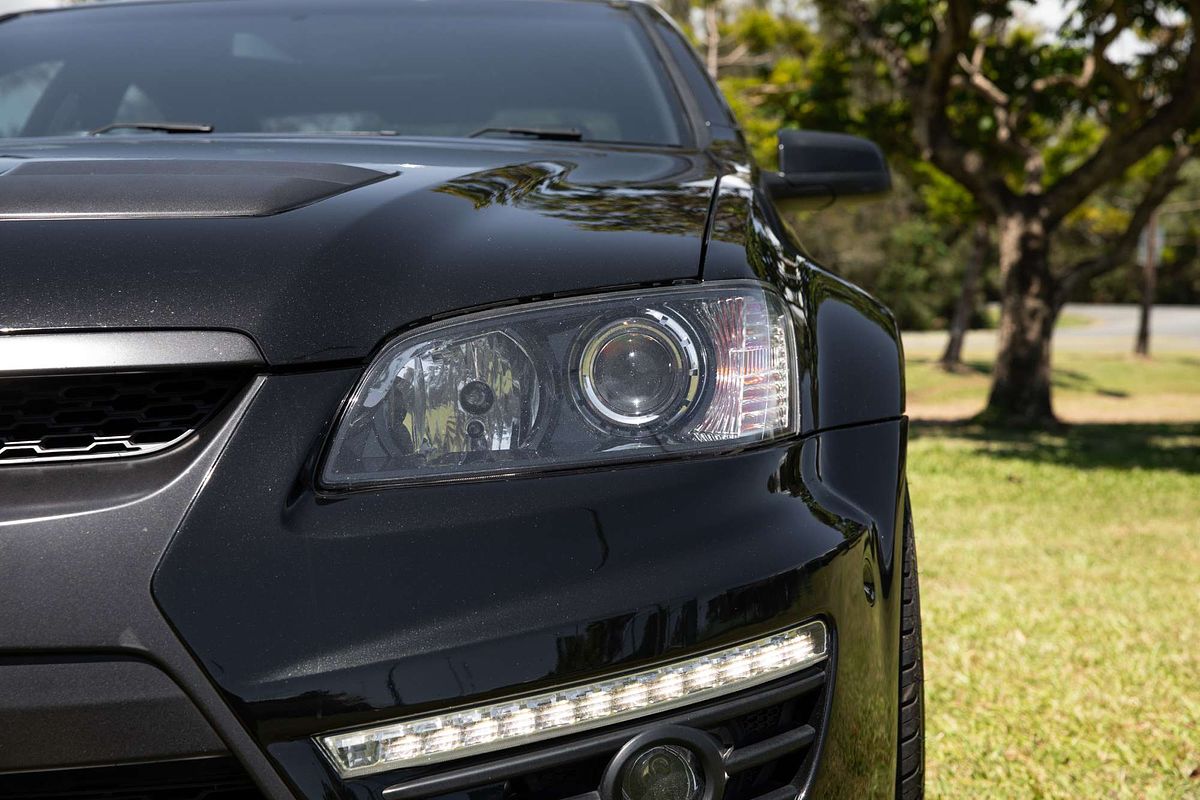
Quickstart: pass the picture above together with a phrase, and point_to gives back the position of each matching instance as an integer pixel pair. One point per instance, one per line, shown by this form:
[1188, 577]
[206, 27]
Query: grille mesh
[49, 418]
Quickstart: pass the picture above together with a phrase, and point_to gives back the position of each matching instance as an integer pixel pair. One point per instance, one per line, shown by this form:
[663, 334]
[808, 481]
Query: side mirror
[816, 169]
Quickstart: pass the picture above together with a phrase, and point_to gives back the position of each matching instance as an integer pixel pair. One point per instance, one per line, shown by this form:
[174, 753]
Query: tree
[981, 245]
[778, 72]
[1149, 257]
[948, 203]
[993, 107]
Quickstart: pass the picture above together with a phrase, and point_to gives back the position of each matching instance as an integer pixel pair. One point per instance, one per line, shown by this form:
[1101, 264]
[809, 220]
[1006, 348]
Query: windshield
[567, 70]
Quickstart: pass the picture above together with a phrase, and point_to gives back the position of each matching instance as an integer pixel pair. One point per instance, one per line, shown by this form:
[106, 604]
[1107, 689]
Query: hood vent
[166, 188]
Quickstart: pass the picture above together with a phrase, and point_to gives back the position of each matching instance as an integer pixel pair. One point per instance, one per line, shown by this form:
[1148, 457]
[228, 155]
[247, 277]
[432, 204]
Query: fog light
[667, 762]
[470, 731]
[665, 772]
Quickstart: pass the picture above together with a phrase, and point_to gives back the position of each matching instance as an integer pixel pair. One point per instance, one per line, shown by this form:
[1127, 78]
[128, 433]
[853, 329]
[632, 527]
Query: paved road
[1122, 320]
[1113, 328]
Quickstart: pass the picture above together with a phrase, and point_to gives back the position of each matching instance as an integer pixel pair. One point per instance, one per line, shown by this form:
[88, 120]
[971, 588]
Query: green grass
[1069, 320]
[1061, 595]
[1088, 386]
[1066, 319]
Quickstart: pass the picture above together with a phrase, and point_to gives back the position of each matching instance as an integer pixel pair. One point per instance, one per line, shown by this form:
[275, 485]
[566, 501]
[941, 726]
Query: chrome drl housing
[518, 721]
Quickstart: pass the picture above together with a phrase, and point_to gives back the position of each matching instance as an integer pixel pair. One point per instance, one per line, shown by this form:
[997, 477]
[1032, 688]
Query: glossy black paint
[814, 165]
[304, 612]
[462, 224]
[382, 604]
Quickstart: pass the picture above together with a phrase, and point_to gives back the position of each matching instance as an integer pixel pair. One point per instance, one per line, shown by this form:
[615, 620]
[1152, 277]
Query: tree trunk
[1149, 281]
[952, 358]
[1020, 392]
[712, 39]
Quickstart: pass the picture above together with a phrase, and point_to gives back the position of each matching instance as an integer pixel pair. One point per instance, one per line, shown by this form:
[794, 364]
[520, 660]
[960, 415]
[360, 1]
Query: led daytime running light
[473, 731]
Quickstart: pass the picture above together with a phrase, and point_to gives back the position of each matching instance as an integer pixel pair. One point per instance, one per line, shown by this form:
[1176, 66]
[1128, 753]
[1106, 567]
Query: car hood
[321, 248]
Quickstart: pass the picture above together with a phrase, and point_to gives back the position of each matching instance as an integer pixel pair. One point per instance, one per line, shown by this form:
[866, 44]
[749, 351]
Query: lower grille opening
[769, 736]
[219, 778]
[760, 726]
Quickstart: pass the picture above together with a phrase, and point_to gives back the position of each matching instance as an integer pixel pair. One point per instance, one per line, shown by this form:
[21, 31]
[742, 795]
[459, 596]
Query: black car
[424, 399]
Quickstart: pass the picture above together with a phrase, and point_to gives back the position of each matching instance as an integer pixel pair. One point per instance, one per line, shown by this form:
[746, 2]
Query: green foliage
[799, 64]
[1073, 147]
[761, 128]
[947, 203]
[758, 29]
[793, 77]
[914, 274]
[911, 261]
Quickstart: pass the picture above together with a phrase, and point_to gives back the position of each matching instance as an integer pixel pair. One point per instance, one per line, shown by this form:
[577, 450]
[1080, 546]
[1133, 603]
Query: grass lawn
[1089, 387]
[1061, 586]
[1065, 319]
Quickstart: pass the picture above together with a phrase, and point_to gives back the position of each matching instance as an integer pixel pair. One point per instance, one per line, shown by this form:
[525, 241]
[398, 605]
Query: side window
[712, 103]
[20, 92]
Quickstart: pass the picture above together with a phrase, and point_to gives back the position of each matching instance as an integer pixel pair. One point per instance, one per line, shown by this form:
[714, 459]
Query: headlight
[572, 383]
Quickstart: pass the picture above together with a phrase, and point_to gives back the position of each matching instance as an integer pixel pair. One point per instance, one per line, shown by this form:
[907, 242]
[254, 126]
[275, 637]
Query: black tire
[910, 758]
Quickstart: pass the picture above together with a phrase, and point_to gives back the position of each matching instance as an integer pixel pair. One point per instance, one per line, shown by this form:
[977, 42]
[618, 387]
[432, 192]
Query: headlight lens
[572, 383]
[639, 372]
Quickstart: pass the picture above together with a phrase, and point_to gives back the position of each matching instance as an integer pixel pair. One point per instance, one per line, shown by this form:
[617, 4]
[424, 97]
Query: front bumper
[283, 614]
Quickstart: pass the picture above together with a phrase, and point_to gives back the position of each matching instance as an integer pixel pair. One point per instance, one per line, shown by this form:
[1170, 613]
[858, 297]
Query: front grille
[768, 738]
[46, 418]
[196, 779]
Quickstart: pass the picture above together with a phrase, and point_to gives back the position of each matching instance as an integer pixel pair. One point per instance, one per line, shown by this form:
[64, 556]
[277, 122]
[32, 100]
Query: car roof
[57, 7]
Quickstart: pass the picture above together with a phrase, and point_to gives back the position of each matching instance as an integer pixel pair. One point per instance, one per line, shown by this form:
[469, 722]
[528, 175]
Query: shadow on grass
[1155, 446]
[962, 368]
[1080, 382]
[1061, 378]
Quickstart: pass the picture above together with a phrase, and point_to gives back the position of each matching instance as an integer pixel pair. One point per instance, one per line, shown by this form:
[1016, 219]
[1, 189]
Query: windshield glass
[455, 68]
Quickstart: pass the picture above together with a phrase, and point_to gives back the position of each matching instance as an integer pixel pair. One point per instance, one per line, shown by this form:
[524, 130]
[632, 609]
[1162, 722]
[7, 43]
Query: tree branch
[981, 83]
[1079, 81]
[1123, 148]
[1120, 251]
[929, 96]
[886, 48]
[741, 58]
[739, 52]
[1007, 120]
[712, 39]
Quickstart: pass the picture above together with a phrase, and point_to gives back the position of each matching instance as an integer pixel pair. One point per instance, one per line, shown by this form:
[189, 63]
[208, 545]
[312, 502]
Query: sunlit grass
[1066, 319]
[1088, 387]
[1061, 591]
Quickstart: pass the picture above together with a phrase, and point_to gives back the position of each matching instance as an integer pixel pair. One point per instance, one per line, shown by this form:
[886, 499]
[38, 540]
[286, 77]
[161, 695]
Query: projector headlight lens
[640, 371]
[569, 383]
[523, 720]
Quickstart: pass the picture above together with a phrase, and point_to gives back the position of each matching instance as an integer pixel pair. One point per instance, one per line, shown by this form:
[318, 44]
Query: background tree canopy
[1053, 148]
